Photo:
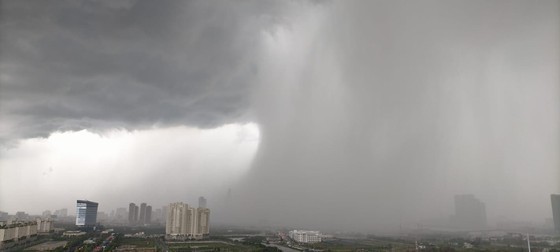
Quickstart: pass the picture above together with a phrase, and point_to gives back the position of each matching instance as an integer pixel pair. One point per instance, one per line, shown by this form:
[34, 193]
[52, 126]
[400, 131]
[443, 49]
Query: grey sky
[382, 110]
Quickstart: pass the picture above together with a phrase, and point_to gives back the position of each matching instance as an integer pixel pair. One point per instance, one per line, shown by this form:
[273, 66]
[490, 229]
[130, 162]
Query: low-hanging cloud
[98, 65]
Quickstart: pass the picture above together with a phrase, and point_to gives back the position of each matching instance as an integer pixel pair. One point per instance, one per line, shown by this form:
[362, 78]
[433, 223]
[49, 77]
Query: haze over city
[354, 115]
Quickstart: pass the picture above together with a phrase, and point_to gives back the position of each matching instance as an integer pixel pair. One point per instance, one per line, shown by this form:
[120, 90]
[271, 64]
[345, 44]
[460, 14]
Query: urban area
[183, 227]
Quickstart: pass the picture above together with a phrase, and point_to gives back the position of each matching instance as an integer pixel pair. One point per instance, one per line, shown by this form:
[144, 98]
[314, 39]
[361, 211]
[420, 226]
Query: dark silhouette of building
[142, 217]
[132, 214]
[148, 218]
[86, 213]
[555, 200]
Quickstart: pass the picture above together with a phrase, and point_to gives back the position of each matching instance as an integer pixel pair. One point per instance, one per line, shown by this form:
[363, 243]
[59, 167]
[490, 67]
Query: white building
[44, 225]
[184, 222]
[303, 236]
[14, 232]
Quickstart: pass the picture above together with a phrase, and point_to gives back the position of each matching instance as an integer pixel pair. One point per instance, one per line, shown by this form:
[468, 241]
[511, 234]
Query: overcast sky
[351, 114]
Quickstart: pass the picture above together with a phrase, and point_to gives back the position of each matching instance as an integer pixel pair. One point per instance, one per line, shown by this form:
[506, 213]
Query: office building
[470, 213]
[555, 200]
[184, 222]
[86, 213]
[303, 236]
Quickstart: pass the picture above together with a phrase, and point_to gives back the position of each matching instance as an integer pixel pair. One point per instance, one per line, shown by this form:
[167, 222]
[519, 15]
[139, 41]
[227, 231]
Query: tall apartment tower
[132, 213]
[470, 213]
[86, 213]
[142, 216]
[555, 200]
[184, 222]
[148, 218]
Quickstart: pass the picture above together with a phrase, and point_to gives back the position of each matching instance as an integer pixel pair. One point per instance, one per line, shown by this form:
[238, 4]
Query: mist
[374, 115]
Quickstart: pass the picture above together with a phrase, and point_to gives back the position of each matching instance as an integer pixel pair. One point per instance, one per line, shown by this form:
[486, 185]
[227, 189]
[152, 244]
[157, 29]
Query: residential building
[142, 216]
[303, 236]
[14, 232]
[44, 225]
[184, 222]
[132, 214]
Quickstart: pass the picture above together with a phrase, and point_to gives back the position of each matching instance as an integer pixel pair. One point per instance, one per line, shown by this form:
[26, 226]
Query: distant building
[184, 222]
[46, 214]
[201, 202]
[470, 213]
[86, 213]
[132, 214]
[61, 212]
[22, 216]
[303, 236]
[142, 216]
[555, 200]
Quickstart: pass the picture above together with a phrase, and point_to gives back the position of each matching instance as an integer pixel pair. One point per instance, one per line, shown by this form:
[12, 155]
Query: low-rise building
[304, 236]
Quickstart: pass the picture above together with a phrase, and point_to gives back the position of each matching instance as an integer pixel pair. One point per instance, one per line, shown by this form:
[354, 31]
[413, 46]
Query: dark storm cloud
[97, 64]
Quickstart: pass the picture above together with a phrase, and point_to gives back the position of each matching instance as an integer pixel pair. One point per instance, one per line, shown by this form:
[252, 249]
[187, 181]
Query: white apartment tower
[184, 222]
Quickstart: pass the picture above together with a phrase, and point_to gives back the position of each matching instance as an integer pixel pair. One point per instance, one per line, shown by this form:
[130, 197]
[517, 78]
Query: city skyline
[386, 109]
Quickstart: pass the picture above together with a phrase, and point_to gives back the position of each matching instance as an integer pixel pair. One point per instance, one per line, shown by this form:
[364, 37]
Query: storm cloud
[69, 65]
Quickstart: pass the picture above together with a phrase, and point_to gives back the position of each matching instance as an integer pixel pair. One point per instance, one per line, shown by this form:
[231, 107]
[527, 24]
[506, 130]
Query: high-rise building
[201, 202]
[470, 213]
[148, 218]
[184, 222]
[555, 200]
[131, 213]
[203, 216]
[86, 213]
[142, 216]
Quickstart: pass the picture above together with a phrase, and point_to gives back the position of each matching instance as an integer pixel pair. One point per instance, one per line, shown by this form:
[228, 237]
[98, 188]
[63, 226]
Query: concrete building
[44, 225]
[148, 217]
[555, 200]
[203, 216]
[184, 222]
[303, 236]
[86, 213]
[132, 214]
[142, 216]
[12, 233]
[470, 213]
